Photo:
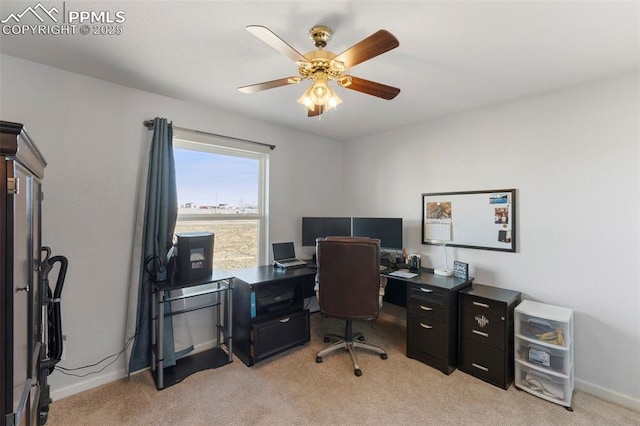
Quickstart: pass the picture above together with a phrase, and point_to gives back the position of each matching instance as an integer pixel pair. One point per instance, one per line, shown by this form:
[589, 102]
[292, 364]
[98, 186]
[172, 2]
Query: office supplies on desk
[284, 256]
[403, 274]
[414, 262]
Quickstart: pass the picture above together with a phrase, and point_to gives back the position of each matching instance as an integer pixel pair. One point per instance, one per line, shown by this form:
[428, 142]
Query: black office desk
[432, 316]
[431, 301]
[220, 355]
[268, 311]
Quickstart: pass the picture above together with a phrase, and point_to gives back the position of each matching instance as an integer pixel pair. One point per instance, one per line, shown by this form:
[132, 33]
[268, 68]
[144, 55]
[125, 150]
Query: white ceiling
[453, 55]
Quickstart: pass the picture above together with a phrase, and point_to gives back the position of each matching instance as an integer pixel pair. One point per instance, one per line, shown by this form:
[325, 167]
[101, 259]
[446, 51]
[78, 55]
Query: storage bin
[543, 346]
[547, 357]
[546, 386]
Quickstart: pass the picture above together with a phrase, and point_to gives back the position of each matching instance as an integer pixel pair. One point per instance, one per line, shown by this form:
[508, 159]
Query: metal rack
[216, 357]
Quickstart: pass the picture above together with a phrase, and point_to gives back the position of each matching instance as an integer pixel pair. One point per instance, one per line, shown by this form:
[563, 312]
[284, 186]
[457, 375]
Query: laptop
[284, 256]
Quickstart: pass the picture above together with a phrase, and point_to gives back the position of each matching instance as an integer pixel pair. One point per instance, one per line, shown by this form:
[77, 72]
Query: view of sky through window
[209, 179]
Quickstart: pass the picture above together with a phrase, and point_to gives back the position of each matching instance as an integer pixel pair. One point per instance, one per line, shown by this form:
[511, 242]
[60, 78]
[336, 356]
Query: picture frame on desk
[460, 270]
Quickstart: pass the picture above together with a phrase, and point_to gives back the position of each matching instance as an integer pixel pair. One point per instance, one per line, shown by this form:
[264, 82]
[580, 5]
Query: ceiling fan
[323, 66]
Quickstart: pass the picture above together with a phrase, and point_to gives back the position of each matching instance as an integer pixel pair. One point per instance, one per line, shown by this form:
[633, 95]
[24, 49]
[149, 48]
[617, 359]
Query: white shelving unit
[543, 350]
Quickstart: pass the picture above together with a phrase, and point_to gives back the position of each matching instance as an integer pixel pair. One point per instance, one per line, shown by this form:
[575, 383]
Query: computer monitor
[386, 229]
[320, 227]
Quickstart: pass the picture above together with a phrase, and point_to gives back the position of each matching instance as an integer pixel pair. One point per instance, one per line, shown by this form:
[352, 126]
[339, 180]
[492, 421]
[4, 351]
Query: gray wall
[92, 136]
[573, 157]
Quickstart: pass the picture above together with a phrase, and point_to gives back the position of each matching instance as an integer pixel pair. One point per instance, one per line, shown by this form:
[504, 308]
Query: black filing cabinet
[432, 319]
[486, 333]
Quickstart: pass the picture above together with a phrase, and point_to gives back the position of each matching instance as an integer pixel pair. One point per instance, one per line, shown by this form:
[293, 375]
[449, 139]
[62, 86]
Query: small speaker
[195, 255]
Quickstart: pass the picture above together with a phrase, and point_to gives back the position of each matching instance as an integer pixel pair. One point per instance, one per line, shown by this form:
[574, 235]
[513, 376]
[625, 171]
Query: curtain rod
[149, 125]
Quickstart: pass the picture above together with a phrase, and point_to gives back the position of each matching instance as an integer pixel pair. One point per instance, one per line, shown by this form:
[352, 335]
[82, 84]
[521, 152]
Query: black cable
[65, 371]
[119, 354]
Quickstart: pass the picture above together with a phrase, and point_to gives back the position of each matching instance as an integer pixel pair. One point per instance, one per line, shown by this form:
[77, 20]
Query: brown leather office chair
[348, 289]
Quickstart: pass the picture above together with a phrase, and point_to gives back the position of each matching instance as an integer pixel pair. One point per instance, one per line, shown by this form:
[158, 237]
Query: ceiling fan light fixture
[320, 91]
[305, 99]
[334, 100]
[320, 95]
[322, 66]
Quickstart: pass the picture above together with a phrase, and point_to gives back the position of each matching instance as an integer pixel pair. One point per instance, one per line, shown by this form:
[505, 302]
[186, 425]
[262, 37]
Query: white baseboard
[608, 395]
[91, 382]
[390, 315]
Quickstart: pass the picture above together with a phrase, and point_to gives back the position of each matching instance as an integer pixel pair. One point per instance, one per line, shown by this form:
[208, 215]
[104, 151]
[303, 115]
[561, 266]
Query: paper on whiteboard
[438, 221]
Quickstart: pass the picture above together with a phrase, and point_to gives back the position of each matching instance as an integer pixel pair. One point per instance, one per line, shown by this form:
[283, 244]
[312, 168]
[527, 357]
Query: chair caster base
[383, 356]
[358, 372]
[318, 359]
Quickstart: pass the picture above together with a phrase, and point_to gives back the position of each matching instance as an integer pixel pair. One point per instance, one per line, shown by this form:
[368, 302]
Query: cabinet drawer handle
[479, 367]
[283, 320]
[426, 308]
[426, 290]
[482, 305]
[481, 333]
[425, 326]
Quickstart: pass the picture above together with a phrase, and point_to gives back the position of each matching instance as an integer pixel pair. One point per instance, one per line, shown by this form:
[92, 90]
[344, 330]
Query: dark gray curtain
[153, 241]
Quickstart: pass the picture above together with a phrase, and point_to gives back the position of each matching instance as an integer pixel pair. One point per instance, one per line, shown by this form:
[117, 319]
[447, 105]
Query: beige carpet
[291, 389]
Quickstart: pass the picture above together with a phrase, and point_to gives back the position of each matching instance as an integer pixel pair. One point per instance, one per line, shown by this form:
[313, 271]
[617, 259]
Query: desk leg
[219, 332]
[228, 305]
[160, 331]
[154, 326]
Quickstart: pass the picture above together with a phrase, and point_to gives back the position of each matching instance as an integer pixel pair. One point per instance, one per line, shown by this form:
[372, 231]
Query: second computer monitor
[386, 229]
[320, 227]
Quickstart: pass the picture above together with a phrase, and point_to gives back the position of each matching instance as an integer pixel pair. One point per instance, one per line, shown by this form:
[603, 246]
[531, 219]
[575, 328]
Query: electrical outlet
[64, 348]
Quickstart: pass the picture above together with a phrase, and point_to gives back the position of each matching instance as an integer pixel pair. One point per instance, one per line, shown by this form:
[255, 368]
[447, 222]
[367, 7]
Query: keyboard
[290, 263]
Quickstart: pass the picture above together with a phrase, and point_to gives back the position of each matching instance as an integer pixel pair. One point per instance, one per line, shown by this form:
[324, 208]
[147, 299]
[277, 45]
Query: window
[221, 188]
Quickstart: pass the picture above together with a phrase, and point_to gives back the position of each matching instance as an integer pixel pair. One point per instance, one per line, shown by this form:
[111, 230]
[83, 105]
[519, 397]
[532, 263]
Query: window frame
[197, 141]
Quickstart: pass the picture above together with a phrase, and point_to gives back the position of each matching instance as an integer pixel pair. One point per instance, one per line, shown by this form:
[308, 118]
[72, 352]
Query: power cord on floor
[117, 355]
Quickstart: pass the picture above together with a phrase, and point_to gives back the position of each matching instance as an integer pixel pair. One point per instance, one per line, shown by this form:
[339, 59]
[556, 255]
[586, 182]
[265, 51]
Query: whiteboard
[473, 219]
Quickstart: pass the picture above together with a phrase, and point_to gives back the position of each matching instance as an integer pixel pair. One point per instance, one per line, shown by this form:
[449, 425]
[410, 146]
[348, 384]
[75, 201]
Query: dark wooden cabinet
[269, 316]
[432, 318]
[486, 333]
[21, 172]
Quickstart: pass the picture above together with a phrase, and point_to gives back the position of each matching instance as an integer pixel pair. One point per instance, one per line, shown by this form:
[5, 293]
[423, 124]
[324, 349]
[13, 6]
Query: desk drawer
[271, 337]
[426, 309]
[483, 362]
[484, 326]
[482, 303]
[426, 335]
[421, 292]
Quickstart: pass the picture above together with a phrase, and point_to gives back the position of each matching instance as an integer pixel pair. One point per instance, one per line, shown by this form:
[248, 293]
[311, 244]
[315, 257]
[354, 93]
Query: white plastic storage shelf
[544, 351]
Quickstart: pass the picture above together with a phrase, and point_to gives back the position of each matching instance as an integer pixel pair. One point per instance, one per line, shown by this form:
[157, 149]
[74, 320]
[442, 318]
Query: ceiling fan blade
[317, 110]
[372, 46]
[372, 88]
[254, 88]
[266, 35]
